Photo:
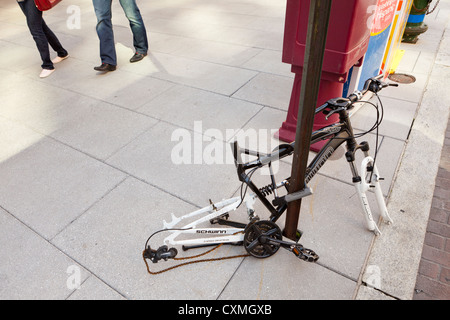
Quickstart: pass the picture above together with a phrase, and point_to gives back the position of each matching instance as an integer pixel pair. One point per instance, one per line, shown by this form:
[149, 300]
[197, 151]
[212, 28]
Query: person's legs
[53, 41]
[35, 24]
[105, 31]
[137, 26]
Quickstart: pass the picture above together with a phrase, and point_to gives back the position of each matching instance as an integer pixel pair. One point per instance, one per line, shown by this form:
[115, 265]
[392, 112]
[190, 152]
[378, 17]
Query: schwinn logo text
[319, 164]
[211, 231]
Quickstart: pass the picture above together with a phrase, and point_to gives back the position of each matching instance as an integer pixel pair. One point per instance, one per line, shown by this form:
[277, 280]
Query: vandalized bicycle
[263, 238]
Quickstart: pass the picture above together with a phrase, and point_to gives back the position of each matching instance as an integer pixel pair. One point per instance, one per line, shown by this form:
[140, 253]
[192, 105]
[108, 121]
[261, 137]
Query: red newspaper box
[347, 41]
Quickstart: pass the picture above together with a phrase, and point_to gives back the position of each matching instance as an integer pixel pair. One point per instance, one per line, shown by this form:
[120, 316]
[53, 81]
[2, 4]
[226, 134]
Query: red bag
[44, 5]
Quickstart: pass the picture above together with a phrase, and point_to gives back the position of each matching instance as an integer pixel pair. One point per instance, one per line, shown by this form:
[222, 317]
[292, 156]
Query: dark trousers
[41, 33]
[105, 28]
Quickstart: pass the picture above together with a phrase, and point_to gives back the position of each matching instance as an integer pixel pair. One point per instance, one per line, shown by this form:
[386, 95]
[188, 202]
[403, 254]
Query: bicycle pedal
[304, 254]
[163, 253]
[149, 253]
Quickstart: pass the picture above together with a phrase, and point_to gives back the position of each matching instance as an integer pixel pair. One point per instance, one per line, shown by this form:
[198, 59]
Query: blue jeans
[41, 33]
[105, 28]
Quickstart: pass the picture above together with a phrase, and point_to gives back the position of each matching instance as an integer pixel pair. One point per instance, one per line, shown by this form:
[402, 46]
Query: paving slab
[48, 185]
[268, 90]
[200, 110]
[99, 130]
[268, 61]
[95, 289]
[17, 57]
[110, 237]
[281, 279]
[88, 170]
[398, 115]
[32, 268]
[388, 158]
[199, 74]
[397, 254]
[173, 161]
[15, 138]
[216, 52]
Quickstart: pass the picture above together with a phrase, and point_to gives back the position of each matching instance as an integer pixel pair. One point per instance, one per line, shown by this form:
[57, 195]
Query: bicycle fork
[362, 186]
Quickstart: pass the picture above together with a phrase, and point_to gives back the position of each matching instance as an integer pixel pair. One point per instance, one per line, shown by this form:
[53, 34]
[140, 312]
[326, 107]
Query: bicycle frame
[262, 238]
[227, 235]
[336, 134]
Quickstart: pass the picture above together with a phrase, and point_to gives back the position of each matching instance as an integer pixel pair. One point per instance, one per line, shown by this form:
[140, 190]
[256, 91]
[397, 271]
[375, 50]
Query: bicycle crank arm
[296, 248]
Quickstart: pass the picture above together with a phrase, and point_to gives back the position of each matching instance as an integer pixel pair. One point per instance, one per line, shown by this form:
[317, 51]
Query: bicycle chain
[302, 253]
[192, 262]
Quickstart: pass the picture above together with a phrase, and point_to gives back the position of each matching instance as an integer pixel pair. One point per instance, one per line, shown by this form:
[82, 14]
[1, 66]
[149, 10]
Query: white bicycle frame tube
[225, 205]
[235, 235]
[212, 211]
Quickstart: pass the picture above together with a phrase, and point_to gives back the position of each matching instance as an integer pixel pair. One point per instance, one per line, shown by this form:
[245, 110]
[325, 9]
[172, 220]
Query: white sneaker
[59, 59]
[45, 73]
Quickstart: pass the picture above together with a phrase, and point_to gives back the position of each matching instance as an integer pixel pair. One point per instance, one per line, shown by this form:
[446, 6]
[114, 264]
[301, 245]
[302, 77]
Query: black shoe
[137, 57]
[105, 67]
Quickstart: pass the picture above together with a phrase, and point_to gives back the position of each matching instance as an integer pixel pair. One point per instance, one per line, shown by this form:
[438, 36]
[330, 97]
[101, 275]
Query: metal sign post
[319, 14]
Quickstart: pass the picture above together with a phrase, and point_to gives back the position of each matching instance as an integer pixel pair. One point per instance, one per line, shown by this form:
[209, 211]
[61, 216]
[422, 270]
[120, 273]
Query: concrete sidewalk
[87, 170]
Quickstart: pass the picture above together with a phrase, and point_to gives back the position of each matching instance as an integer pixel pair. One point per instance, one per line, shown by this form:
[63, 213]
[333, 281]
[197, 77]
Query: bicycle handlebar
[374, 85]
[336, 105]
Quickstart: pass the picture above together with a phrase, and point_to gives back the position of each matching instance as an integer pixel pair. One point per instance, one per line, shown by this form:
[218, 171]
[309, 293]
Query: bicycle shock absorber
[267, 190]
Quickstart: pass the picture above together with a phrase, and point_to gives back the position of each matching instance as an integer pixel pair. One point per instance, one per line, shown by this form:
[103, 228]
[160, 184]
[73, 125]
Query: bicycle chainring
[257, 239]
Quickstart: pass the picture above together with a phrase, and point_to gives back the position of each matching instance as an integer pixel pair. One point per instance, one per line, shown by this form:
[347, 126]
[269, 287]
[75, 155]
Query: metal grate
[402, 78]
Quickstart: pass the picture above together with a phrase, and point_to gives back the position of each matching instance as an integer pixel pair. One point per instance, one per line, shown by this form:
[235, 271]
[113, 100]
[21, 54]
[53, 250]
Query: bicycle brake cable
[377, 134]
[246, 186]
[375, 126]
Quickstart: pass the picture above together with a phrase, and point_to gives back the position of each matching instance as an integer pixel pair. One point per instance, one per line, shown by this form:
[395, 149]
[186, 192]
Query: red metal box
[347, 39]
